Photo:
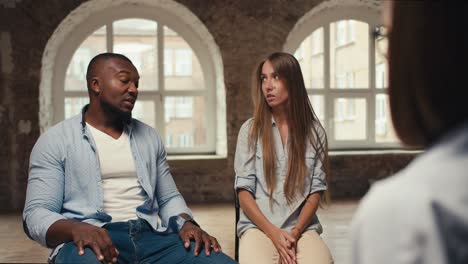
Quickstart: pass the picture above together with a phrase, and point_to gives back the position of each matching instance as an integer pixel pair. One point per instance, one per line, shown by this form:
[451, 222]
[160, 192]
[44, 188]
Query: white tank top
[122, 190]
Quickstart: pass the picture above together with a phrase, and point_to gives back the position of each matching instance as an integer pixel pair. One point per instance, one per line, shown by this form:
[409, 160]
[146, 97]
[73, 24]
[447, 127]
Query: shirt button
[100, 210]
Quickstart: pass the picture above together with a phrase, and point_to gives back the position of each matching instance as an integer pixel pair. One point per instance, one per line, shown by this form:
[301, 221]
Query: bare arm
[250, 208]
[305, 217]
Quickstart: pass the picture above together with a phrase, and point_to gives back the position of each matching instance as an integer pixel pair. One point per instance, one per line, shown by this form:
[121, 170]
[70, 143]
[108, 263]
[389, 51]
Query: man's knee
[214, 257]
[69, 254]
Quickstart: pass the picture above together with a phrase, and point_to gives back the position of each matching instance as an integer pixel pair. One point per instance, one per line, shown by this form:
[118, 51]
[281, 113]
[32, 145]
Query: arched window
[179, 71]
[345, 74]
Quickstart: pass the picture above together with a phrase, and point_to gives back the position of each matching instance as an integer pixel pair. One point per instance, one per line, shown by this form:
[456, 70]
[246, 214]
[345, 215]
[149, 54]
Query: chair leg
[236, 249]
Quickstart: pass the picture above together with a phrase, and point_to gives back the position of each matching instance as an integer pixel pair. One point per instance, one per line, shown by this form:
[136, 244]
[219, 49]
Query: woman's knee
[256, 247]
[312, 249]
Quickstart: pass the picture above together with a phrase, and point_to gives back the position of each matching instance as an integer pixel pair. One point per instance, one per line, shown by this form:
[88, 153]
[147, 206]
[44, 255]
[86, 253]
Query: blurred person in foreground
[420, 215]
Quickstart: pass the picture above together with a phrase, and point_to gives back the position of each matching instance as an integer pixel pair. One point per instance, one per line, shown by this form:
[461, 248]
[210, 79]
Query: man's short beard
[124, 116]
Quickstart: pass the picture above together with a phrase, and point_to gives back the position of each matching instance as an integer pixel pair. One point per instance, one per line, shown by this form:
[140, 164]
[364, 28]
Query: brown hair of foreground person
[428, 69]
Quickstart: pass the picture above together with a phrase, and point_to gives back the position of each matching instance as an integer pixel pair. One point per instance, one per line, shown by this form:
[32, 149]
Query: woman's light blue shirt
[248, 167]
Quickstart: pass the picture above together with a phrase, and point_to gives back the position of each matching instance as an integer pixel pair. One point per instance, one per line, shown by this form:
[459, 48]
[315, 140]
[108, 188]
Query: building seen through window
[172, 89]
[338, 78]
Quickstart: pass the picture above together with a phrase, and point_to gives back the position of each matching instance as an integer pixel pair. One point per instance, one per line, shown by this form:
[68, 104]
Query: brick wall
[244, 30]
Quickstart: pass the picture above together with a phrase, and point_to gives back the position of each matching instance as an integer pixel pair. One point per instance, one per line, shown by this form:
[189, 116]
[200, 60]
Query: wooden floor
[218, 220]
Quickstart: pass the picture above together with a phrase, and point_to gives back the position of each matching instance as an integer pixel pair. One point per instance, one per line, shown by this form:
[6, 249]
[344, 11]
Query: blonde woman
[281, 170]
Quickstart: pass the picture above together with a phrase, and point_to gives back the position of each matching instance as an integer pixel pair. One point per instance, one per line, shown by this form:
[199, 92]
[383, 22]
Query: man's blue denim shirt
[65, 180]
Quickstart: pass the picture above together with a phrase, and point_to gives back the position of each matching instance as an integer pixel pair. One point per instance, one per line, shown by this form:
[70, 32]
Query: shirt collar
[83, 121]
[273, 122]
[128, 127]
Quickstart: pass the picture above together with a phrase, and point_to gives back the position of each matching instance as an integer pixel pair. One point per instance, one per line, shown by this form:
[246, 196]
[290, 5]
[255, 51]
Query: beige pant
[256, 248]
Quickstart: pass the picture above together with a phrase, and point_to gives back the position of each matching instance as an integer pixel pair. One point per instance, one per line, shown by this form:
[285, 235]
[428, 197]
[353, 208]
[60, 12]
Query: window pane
[381, 80]
[136, 39]
[182, 70]
[75, 79]
[184, 117]
[318, 104]
[310, 57]
[145, 112]
[73, 105]
[384, 131]
[349, 54]
[168, 62]
[350, 118]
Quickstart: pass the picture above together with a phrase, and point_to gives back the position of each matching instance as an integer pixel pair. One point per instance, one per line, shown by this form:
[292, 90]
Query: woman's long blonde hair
[302, 122]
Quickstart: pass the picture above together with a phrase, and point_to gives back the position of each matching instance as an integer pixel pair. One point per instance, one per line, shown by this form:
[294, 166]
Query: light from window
[342, 99]
[318, 105]
[384, 131]
[182, 116]
[380, 115]
[340, 81]
[176, 105]
[136, 39]
[177, 62]
[185, 141]
[341, 33]
[345, 32]
[168, 62]
[380, 76]
[310, 57]
[317, 41]
[351, 31]
[350, 118]
[168, 141]
[144, 111]
[298, 54]
[73, 105]
[183, 62]
[349, 59]
[75, 79]
[350, 79]
[182, 69]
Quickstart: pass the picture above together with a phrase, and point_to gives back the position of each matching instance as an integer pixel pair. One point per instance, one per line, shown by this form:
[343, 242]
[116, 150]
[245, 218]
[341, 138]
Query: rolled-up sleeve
[244, 161]
[318, 182]
[44, 196]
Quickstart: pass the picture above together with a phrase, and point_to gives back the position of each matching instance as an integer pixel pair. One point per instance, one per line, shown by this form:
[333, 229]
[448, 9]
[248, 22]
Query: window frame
[321, 17]
[210, 92]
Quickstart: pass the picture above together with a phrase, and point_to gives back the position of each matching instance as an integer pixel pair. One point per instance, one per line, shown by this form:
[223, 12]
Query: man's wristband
[191, 220]
[181, 221]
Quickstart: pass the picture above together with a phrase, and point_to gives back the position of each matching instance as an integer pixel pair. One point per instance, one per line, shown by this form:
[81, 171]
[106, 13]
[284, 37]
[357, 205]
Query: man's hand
[97, 238]
[189, 231]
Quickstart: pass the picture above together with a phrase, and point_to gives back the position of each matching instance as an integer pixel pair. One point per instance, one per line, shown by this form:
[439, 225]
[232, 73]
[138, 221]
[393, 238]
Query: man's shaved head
[94, 63]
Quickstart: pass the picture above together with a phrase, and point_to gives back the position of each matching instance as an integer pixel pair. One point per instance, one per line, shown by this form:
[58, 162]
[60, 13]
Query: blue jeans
[137, 242]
